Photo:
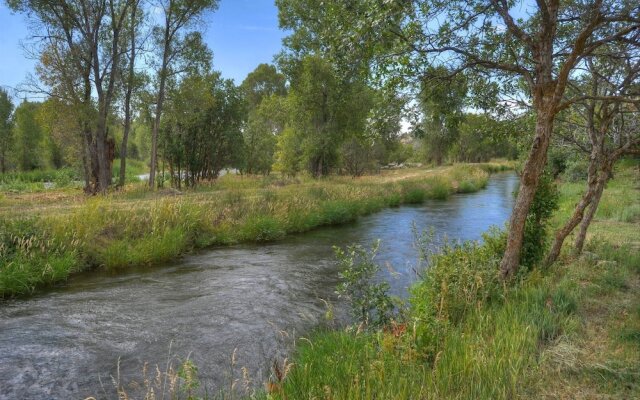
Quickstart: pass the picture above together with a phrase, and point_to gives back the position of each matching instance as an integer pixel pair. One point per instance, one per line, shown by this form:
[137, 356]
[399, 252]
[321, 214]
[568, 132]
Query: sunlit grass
[138, 227]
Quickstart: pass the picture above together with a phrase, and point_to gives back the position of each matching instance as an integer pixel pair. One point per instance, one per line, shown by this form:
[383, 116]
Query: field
[46, 235]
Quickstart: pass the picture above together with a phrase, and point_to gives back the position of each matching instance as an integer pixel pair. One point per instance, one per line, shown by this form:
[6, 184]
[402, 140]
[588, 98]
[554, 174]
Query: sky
[241, 34]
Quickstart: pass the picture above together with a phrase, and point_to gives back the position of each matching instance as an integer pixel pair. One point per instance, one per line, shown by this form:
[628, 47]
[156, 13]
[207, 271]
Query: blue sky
[241, 33]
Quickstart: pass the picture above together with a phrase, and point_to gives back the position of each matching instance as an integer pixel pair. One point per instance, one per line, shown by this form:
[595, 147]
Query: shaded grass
[136, 227]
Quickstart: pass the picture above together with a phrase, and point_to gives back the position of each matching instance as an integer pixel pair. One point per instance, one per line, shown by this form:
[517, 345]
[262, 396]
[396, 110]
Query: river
[65, 343]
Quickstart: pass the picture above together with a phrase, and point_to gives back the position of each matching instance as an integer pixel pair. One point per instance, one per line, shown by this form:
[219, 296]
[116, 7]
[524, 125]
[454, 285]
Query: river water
[66, 343]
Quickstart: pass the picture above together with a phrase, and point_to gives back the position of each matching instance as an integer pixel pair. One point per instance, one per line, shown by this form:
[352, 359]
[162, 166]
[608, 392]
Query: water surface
[66, 343]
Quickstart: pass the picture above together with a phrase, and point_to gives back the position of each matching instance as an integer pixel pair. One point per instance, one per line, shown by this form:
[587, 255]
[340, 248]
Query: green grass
[138, 227]
[566, 332]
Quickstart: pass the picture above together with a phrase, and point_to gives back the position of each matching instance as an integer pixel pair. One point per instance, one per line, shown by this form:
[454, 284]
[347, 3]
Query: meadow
[47, 235]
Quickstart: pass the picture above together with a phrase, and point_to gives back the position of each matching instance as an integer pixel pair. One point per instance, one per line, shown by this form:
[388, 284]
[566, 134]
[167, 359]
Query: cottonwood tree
[262, 82]
[80, 48]
[177, 45]
[442, 105]
[6, 128]
[28, 136]
[264, 91]
[605, 126]
[527, 51]
[130, 79]
[324, 110]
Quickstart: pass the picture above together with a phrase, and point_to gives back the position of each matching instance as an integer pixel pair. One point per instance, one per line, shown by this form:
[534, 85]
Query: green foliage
[265, 123]
[370, 302]
[415, 195]
[557, 160]
[482, 137]
[61, 177]
[324, 110]
[544, 204]
[263, 82]
[442, 103]
[31, 257]
[28, 136]
[202, 131]
[440, 189]
[459, 279]
[576, 170]
[262, 228]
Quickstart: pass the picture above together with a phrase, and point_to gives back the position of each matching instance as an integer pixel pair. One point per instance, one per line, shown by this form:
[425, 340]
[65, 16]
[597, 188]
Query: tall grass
[569, 332]
[132, 228]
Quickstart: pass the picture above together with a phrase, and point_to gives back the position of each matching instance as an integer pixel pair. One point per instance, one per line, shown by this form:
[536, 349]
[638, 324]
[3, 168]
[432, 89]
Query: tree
[529, 60]
[6, 128]
[80, 50]
[442, 102]
[178, 47]
[28, 136]
[60, 125]
[130, 82]
[264, 125]
[606, 128]
[202, 128]
[265, 81]
[264, 90]
[482, 137]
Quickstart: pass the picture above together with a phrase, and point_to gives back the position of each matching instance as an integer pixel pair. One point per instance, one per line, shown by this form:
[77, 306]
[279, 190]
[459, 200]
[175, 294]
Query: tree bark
[159, 104]
[127, 99]
[591, 212]
[596, 162]
[528, 185]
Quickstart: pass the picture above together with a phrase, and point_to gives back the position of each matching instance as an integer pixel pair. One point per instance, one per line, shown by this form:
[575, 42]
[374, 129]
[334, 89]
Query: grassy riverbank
[570, 331]
[45, 237]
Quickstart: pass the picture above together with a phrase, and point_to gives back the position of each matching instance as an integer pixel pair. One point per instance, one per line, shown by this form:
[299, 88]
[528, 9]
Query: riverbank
[570, 331]
[44, 238]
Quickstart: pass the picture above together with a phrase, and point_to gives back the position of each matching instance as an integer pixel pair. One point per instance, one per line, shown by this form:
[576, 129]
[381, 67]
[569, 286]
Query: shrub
[461, 277]
[370, 302]
[544, 204]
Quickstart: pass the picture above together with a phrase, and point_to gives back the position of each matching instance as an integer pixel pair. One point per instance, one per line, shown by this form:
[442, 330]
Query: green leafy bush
[371, 304]
[461, 277]
[544, 204]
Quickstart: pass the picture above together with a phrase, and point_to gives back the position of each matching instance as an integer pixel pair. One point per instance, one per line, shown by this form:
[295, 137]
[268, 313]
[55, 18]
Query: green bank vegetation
[570, 331]
[52, 237]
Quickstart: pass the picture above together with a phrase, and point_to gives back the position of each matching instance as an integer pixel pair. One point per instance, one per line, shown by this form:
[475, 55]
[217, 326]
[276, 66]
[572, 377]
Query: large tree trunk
[528, 185]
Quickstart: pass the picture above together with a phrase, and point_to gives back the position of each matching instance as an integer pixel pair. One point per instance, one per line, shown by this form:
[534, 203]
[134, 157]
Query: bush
[461, 277]
[544, 204]
[371, 304]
